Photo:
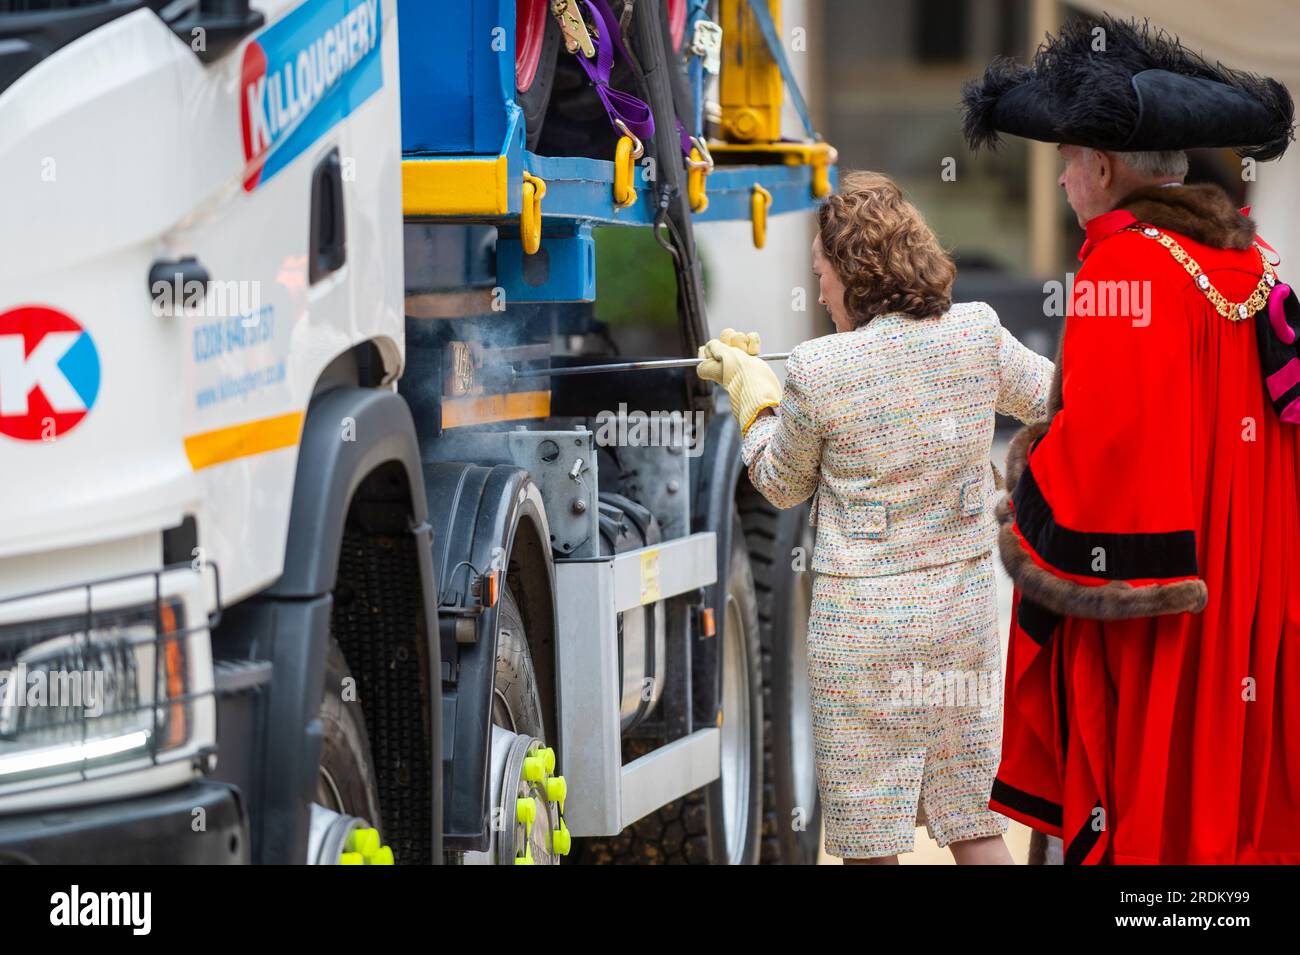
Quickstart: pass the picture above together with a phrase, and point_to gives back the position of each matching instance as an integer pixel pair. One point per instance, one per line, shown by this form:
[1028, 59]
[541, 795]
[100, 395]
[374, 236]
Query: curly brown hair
[883, 251]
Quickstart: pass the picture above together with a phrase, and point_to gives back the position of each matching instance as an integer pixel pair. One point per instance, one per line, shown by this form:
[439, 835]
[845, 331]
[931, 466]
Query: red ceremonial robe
[1152, 530]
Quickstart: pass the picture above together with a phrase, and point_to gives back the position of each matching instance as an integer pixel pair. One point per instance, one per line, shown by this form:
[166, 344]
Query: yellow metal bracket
[452, 187]
[820, 156]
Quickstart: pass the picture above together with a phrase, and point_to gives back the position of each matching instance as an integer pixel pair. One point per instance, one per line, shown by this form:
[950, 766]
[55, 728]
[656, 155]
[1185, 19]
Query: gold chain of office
[1238, 311]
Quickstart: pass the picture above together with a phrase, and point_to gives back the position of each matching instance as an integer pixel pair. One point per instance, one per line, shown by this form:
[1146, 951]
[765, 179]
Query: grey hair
[1156, 163]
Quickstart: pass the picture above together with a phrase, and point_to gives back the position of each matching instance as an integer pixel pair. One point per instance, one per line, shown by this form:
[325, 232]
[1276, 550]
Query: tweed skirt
[905, 681]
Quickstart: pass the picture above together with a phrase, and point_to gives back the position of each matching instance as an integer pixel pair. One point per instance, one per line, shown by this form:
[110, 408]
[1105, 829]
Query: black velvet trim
[1044, 810]
[1128, 556]
[1036, 620]
[1083, 840]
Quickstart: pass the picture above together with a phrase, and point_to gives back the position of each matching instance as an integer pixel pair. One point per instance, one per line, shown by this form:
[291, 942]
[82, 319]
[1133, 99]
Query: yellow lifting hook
[821, 173]
[760, 201]
[626, 154]
[530, 216]
[700, 165]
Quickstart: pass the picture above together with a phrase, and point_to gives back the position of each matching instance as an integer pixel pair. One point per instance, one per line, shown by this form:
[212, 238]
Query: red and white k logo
[49, 373]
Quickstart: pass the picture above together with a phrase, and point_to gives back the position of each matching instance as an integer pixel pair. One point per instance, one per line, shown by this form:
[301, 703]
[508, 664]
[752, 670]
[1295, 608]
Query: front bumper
[152, 830]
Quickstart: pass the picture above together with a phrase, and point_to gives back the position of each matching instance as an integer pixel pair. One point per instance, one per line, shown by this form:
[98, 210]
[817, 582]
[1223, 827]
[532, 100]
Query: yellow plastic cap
[383, 856]
[561, 841]
[526, 810]
[548, 756]
[364, 841]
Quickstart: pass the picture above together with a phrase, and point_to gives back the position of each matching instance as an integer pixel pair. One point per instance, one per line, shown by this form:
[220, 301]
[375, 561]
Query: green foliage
[635, 282]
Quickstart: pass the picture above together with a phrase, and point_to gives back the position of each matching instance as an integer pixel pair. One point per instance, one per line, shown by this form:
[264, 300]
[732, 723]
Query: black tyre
[720, 823]
[783, 584]
[537, 46]
[346, 779]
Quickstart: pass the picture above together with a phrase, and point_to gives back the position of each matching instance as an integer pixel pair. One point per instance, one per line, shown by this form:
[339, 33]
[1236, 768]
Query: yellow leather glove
[751, 384]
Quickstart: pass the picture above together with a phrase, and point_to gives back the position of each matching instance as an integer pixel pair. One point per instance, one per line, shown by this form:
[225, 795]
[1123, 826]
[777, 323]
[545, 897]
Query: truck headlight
[95, 690]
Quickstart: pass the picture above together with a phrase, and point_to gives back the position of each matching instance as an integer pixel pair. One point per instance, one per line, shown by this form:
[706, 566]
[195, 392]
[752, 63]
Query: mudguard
[476, 512]
[329, 471]
[289, 623]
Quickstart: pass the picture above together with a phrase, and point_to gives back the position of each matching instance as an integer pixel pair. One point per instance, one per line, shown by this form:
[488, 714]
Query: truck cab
[328, 555]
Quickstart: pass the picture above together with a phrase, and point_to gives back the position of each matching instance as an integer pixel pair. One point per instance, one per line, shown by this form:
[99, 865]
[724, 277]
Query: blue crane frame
[463, 134]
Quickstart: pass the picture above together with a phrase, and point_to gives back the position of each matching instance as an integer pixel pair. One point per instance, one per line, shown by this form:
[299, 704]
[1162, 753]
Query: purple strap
[619, 105]
[683, 137]
[632, 110]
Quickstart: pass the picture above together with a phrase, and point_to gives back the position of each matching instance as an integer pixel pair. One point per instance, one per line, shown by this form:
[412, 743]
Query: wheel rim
[736, 752]
[537, 833]
[335, 838]
[521, 770]
[531, 839]
[542, 838]
[677, 22]
[801, 741]
[327, 789]
[530, 29]
[501, 714]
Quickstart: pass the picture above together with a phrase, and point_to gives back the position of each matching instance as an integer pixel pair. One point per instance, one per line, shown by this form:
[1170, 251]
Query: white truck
[298, 561]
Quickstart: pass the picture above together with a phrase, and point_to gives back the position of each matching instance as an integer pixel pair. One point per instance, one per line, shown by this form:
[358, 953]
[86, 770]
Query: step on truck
[318, 540]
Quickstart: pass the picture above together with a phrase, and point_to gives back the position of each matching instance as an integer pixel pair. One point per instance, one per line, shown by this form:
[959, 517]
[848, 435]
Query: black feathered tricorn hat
[1112, 84]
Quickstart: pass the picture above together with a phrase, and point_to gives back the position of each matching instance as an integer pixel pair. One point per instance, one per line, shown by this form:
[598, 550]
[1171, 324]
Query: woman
[890, 422]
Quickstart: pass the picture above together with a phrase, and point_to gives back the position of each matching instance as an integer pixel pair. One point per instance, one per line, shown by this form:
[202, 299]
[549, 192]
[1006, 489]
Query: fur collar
[1202, 212]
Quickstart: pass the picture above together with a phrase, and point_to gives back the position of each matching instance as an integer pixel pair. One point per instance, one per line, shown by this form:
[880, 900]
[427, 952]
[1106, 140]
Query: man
[1151, 525]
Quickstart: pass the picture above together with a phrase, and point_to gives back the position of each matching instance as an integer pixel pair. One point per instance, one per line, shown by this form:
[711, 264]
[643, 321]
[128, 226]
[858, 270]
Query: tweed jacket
[890, 426]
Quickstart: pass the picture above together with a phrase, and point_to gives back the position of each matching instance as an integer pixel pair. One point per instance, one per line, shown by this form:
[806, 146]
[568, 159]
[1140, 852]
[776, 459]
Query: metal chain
[1236, 312]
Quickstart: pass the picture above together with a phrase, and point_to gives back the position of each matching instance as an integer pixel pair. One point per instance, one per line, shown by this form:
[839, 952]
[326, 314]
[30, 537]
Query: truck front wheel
[525, 794]
[345, 784]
